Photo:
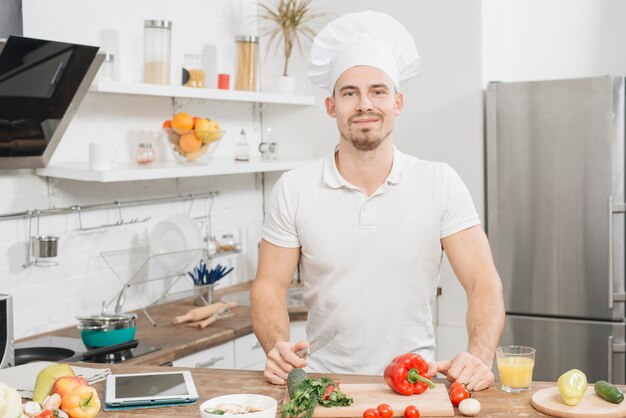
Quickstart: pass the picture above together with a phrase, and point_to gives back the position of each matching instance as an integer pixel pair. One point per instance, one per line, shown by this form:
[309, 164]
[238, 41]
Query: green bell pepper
[572, 386]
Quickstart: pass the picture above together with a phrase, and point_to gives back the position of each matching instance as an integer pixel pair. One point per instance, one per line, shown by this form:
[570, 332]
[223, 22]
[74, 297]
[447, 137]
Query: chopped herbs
[311, 393]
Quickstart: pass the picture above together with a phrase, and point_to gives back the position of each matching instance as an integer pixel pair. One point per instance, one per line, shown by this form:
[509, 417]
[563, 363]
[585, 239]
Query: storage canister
[247, 51]
[157, 49]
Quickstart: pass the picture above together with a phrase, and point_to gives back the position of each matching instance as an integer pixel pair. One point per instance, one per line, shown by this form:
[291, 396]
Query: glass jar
[156, 49]
[107, 69]
[144, 154]
[227, 243]
[193, 73]
[242, 150]
[247, 51]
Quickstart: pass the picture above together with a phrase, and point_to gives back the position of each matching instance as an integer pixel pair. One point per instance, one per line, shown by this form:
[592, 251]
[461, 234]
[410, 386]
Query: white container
[157, 44]
[258, 401]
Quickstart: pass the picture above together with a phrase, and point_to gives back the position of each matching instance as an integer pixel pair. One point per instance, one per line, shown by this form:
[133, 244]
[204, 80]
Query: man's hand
[281, 359]
[464, 368]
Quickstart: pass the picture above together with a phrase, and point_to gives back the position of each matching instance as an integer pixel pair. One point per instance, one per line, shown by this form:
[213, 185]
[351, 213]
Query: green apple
[46, 378]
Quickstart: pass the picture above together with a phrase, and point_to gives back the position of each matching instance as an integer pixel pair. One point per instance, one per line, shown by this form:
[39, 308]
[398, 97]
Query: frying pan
[30, 354]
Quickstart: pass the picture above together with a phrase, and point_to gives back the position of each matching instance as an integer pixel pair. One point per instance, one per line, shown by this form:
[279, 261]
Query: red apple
[66, 383]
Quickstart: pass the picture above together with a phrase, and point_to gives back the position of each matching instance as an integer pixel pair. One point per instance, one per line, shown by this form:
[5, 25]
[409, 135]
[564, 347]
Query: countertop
[177, 341]
[215, 382]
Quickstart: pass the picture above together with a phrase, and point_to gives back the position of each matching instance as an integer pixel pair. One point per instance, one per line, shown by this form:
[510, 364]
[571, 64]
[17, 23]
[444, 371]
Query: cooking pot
[106, 330]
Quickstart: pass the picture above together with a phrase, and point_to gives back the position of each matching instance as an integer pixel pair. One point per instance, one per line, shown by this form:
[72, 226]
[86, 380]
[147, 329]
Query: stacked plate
[177, 243]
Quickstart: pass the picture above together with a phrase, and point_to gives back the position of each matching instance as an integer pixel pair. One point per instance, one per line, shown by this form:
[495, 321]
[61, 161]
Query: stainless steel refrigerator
[555, 220]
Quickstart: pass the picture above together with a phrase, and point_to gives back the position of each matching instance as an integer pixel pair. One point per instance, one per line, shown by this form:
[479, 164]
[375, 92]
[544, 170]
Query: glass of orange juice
[515, 367]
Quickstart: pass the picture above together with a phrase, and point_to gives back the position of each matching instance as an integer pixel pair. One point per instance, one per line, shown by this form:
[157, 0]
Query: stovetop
[76, 345]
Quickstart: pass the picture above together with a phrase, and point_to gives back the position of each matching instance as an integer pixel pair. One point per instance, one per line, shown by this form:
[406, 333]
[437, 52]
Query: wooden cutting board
[433, 402]
[549, 402]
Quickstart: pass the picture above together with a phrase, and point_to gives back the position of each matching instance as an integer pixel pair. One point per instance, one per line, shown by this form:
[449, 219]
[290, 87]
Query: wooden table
[215, 382]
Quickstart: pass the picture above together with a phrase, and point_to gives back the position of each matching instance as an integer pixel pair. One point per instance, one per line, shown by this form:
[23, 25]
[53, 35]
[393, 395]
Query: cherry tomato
[456, 385]
[385, 410]
[411, 411]
[46, 413]
[458, 394]
[371, 413]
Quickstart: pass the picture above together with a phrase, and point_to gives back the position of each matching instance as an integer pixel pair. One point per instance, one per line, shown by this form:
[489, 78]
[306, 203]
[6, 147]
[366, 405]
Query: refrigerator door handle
[619, 208]
[613, 348]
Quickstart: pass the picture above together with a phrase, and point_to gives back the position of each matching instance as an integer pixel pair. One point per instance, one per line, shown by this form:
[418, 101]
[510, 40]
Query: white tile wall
[49, 298]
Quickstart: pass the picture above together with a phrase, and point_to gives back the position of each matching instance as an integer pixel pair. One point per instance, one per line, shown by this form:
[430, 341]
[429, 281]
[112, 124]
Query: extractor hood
[42, 83]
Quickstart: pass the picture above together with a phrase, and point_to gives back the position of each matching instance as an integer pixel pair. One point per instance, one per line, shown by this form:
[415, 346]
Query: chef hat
[364, 38]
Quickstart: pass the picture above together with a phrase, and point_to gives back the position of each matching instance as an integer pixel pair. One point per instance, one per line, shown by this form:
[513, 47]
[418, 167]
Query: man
[368, 225]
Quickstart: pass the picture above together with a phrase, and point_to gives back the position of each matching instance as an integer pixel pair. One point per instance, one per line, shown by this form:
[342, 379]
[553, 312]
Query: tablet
[149, 389]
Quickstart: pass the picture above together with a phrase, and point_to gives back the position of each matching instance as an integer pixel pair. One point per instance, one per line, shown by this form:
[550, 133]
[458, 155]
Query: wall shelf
[200, 93]
[165, 170]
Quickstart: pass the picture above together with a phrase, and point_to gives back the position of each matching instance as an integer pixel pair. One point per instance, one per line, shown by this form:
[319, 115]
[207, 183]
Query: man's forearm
[270, 318]
[485, 319]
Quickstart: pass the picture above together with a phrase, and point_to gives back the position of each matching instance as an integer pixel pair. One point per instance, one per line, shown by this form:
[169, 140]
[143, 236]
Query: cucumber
[294, 378]
[607, 391]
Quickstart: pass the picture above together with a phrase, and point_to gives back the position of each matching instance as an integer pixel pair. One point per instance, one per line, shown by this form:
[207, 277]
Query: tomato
[330, 389]
[411, 411]
[46, 413]
[385, 410]
[371, 413]
[456, 385]
[458, 394]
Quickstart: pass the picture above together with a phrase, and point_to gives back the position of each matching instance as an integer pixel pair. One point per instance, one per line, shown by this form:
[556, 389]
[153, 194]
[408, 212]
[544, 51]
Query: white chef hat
[364, 38]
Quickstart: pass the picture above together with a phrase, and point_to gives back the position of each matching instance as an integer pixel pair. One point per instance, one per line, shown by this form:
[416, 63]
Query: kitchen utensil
[197, 314]
[319, 343]
[432, 403]
[267, 404]
[106, 330]
[549, 402]
[6, 331]
[226, 312]
[30, 354]
[44, 246]
[171, 241]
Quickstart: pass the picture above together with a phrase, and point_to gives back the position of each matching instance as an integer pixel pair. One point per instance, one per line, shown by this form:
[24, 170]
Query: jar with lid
[144, 154]
[107, 69]
[193, 73]
[247, 51]
[227, 243]
[156, 50]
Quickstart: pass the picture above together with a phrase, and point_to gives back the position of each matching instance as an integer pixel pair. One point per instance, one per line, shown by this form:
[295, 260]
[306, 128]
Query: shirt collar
[333, 178]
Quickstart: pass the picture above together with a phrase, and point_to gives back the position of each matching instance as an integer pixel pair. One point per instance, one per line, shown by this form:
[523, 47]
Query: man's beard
[366, 139]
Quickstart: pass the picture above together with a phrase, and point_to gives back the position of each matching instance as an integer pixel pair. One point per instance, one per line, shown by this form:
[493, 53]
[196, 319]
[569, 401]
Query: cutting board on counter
[549, 402]
[432, 403]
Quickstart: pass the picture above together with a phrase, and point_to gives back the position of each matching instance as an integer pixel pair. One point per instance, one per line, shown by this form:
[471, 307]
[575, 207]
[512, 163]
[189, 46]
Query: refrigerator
[555, 220]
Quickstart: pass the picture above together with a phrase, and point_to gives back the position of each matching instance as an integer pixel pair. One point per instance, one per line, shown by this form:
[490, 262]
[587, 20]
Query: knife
[321, 342]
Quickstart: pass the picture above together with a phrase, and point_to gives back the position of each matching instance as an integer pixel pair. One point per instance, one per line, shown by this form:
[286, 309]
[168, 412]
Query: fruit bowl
[193, 145]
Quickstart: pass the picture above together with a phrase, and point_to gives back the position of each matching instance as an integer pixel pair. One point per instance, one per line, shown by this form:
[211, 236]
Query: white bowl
[177, 243]
[258, 401]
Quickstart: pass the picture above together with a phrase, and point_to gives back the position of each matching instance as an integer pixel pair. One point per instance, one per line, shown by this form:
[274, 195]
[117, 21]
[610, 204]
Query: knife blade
[321, 342]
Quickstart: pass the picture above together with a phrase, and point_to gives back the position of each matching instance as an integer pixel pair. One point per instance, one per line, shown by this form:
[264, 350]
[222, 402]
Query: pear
[46, 378]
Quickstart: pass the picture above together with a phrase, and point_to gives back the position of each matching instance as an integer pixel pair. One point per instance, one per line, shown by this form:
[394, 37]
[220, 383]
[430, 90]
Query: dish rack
[137, 266]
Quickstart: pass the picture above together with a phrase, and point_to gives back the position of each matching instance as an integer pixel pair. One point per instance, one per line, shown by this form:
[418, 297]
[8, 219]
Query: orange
[182, 123]
[195, 121]
[189, 142]
[167, 124]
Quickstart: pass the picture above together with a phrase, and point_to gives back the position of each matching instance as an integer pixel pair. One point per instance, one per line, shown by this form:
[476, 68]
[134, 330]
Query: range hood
[42, 83]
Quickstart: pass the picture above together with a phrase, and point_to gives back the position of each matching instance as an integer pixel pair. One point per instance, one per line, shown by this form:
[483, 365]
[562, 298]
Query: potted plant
[286, 22]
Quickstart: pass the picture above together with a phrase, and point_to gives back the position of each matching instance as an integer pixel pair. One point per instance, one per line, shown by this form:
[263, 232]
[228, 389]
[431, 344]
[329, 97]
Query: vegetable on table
[294, 378]
[385, 410]
[10, 401]
[411, 411]
[572, 386]
[81, 402]
[407, 374]
[310, 393]
[469, 407]
[458, 393]
[608, 391]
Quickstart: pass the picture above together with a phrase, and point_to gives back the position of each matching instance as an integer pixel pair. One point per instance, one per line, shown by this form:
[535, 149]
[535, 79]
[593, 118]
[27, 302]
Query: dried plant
[287, 21]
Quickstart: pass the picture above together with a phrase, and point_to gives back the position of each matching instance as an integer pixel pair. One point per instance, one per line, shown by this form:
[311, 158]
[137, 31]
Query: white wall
[535, 40]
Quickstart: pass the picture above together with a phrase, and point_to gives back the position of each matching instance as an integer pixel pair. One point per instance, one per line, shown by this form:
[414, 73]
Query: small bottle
[212, 245]
[107, 69]
[144, 154]
[242, 151]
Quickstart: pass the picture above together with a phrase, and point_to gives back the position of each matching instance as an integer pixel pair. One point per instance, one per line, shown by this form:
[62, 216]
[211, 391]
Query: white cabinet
[297, 331]
[219, 357]
[249, 354]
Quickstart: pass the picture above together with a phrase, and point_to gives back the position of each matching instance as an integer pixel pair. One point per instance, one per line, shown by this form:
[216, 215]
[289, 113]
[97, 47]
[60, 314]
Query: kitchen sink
[294, 297]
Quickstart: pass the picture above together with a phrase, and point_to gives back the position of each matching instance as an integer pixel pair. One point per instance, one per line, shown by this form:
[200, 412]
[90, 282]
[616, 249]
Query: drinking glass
[515, 367]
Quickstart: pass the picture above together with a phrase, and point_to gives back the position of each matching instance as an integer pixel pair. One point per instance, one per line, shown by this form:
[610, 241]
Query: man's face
[365, 105]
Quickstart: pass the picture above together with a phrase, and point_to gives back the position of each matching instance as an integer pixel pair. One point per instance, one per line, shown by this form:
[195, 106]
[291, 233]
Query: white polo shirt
[370, 265]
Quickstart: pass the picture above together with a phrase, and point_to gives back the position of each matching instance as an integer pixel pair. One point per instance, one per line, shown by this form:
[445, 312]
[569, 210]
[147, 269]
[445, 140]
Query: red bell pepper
[408, 374]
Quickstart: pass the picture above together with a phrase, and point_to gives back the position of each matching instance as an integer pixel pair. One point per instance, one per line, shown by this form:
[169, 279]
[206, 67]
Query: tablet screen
[144, 386]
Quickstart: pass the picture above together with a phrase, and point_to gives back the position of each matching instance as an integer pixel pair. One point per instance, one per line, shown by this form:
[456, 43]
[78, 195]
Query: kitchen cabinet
[249, 354]
[219, 357]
